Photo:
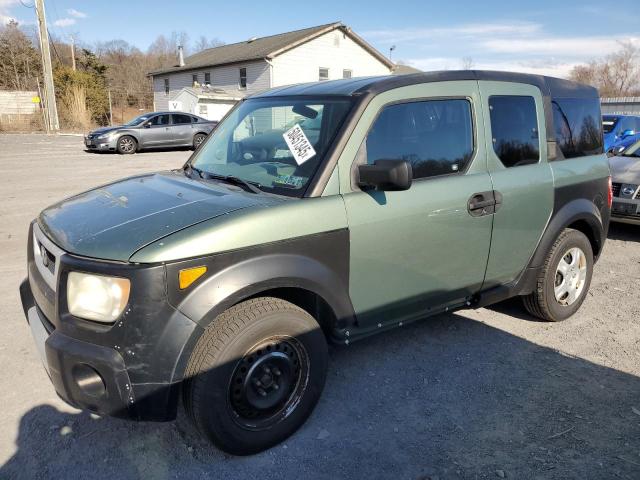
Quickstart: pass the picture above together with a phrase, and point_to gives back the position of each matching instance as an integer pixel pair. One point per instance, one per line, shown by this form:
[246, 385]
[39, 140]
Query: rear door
[413, 252]
[156, 131]
[181, 129]
[514, 123]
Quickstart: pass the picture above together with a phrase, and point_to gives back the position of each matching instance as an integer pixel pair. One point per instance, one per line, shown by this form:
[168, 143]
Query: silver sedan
[625, 175]
[151, 130]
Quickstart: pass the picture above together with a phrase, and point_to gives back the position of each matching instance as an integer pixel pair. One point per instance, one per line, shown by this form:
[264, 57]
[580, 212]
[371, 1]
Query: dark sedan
[151, 130]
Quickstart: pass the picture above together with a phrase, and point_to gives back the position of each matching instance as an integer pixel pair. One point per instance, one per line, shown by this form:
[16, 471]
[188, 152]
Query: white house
[210, 82]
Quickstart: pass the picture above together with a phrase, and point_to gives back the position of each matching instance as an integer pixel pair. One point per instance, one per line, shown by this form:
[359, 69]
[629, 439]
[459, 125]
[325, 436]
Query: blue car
[619, 127]
[622, 144]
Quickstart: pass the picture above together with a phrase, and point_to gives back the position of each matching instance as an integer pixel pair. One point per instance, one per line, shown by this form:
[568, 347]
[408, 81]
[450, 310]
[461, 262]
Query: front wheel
[564, 280]
[127, 145]
[255, 375]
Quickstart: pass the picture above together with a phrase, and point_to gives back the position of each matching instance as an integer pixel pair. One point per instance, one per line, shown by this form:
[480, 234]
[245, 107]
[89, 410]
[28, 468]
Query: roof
[549, 86]
[266, 48]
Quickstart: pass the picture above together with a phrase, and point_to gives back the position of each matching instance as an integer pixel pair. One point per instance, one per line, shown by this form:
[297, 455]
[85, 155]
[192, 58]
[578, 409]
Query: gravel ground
[490, 393]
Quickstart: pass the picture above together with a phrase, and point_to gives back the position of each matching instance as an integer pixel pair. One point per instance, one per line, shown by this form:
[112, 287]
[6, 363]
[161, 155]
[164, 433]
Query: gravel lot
[490, 393]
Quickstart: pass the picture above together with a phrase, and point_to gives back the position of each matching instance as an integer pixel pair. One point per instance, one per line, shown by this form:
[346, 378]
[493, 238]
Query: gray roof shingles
[255, 49]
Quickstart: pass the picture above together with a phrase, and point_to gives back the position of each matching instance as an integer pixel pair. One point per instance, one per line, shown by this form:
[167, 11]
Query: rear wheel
[255, 375]
[127, 145]
[564, 280]
[198, 138]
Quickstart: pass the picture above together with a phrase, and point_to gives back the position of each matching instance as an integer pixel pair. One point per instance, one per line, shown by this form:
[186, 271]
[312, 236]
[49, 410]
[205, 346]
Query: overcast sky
[546, 37]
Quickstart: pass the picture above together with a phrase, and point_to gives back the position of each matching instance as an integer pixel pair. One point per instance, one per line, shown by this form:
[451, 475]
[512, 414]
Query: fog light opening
[89, 381]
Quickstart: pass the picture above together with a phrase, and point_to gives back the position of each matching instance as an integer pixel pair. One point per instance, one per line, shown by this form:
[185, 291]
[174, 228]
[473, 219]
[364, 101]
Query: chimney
[180, 56]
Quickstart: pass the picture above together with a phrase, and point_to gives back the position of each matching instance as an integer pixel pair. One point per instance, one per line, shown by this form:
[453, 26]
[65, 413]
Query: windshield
[275, 143]
[137, 121]
[609, 123]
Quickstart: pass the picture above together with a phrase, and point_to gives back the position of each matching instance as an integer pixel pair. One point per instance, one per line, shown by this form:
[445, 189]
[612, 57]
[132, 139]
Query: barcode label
[299, 144]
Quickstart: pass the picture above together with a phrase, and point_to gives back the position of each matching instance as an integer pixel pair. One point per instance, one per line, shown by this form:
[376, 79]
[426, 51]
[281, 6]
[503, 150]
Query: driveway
[479, 394]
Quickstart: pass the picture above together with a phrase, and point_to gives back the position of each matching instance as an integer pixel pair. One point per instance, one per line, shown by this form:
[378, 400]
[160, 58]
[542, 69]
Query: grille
[616, 189]
[638, 195]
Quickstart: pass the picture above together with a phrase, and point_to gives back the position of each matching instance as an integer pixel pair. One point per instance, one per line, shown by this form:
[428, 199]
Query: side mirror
[386, 175]
[146, 125]
[627, 133]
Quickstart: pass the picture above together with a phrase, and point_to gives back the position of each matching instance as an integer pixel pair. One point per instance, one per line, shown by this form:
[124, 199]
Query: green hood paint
[114, 221]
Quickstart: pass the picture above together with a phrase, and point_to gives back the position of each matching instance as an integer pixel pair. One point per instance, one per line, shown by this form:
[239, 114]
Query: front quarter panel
[247, 228]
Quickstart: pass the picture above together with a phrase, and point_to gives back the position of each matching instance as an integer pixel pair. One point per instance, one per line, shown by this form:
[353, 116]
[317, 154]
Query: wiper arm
[252, 187]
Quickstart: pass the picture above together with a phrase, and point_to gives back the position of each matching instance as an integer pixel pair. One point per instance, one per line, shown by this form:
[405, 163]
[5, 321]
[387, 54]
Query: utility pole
[110, 109]
[49, 90]
[73, 53]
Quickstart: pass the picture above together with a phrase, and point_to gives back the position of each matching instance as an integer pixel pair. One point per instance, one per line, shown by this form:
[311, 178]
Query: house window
[207, 78]
[243, 78]
[346, 73]
[166, 86]
[323, 74]
[194, 78]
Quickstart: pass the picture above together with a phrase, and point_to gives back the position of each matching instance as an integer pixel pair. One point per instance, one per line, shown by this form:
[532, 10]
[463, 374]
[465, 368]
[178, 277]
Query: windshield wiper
[252, 187]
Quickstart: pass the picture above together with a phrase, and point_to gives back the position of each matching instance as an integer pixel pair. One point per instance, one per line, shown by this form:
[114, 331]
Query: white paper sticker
[299, 144]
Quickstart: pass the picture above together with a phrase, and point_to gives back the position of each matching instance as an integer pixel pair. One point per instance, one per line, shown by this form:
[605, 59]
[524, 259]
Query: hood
[114, 221]
[625, 169]
[103, 130]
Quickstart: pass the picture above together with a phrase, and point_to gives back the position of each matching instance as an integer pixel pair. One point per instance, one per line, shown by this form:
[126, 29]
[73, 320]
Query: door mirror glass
[386, 175]
[147, 125]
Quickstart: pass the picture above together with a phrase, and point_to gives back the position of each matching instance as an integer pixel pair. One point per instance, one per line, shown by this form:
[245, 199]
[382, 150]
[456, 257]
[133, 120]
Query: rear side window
[181, 119]
[514, 129]
[435, 136]
[577, 126]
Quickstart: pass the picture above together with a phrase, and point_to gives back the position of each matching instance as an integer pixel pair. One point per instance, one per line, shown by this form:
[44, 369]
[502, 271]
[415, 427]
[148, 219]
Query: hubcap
[268, 382]
[571, 276]
[126, 144]
[199, 140]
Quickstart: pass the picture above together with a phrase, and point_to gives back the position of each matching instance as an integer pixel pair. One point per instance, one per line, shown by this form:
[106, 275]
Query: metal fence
[621, 105]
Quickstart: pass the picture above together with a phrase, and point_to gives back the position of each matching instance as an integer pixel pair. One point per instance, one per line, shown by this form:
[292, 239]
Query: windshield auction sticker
[299, 144]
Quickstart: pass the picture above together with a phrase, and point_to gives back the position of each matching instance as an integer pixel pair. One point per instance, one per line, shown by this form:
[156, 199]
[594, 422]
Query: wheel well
[312, 303]
[584, 227]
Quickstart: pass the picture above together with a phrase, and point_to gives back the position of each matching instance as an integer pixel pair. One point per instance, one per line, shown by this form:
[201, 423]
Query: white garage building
[210, 82]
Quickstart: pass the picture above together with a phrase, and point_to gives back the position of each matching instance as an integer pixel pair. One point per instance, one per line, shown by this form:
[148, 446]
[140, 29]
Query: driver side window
[159, 120]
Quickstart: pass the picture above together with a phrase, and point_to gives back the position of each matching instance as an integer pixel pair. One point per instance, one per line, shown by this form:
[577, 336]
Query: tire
[127, 145]
[558, 296]
[267, 340]
[198, 138]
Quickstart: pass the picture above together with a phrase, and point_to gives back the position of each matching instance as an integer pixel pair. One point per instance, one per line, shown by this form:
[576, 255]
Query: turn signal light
[189, 275]
[610, 193]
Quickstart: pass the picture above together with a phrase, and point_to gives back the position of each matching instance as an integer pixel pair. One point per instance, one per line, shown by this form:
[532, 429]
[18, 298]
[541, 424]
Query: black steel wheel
[255, 375]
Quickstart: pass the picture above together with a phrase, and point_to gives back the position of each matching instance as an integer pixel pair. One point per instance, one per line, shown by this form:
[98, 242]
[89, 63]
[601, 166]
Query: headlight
[106, 136]
[97, 297]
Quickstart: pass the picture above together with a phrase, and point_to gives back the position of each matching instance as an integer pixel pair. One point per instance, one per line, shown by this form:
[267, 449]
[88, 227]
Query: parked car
[625, 172]
[621, 145]
[151, 130]
[223, 281]
[619, 127]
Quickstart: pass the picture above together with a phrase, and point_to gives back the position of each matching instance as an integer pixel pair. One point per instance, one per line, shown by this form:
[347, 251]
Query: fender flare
[578, 210]
[253, 276]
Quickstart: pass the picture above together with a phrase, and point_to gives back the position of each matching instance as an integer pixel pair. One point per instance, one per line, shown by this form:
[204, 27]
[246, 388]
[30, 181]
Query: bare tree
[203, 43]
[467, 63]
[19, 60]
[616, 75]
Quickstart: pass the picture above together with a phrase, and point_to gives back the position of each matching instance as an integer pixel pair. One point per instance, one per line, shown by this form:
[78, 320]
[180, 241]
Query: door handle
[482, 203]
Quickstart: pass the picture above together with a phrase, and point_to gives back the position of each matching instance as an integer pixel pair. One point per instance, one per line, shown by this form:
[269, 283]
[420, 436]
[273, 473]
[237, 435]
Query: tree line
[113, 69]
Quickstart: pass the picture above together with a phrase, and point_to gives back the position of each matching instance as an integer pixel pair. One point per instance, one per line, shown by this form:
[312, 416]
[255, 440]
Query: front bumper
[101, 144]
[626, 210]
[131, 369]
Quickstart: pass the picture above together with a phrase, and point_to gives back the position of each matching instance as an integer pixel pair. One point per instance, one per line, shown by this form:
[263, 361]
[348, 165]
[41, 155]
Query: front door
[414, 252]
[157, 131]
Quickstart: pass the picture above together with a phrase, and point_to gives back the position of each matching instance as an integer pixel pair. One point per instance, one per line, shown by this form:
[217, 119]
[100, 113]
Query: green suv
[315, 213]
